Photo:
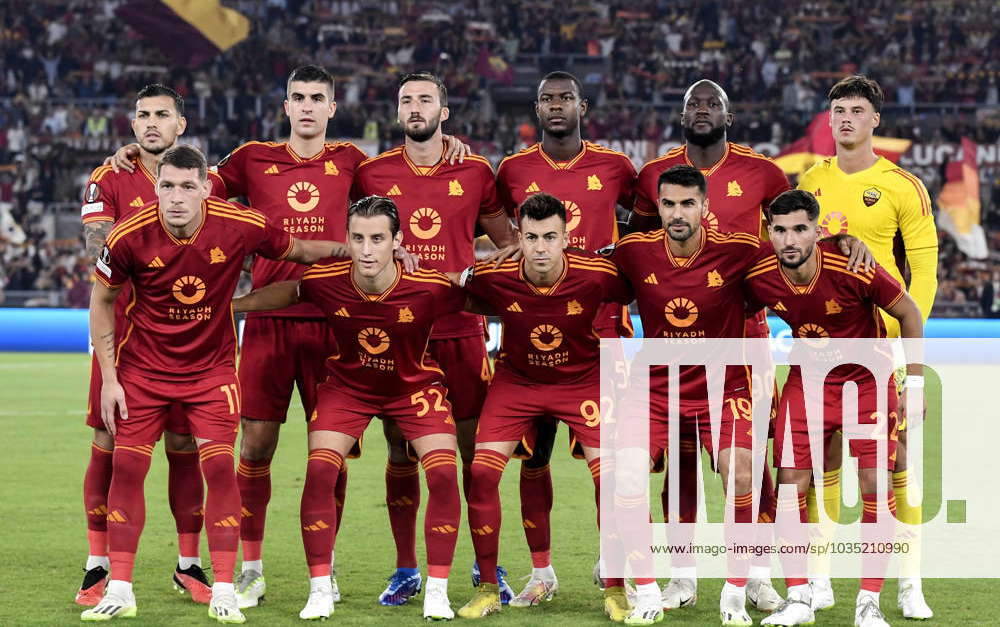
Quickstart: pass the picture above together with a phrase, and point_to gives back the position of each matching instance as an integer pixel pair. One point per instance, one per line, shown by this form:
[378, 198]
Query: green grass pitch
[44, 536]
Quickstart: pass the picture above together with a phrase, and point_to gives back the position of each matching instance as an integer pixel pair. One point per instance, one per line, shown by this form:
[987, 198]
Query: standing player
[108, 198]
[741, 184]
[548, 366]
[439, 206]
[820, 297]
[382, 322]
[873, 199]
[183, 254]
[687, 280]
[590, 180]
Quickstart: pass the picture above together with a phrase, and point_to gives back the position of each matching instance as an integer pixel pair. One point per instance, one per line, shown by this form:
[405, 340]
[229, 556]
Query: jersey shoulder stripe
[918, 188]
[138, 221]
[645, 237]
[255, 143]
[392, 152]
[99, 173]
[241, 210]
[671, 154]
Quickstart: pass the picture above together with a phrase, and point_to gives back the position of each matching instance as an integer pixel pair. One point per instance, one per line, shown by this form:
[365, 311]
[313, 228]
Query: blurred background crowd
[69, 70]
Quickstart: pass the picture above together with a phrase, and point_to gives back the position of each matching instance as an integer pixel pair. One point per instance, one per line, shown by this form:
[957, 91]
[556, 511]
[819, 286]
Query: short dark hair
[429, 78]
[858, 86]
[374, 206]
[541, 206]
[684, 176]
[184, 157]
[563, 76]
[155, 89]
[310, 74]
[794, 200]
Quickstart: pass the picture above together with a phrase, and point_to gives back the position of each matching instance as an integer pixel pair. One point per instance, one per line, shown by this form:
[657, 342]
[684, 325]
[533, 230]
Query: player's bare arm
[274, 296]
[95, 234]
[501, 232]
[638, 222]
[860, 257]
[102, 335]
[455, 149]
[308, 252]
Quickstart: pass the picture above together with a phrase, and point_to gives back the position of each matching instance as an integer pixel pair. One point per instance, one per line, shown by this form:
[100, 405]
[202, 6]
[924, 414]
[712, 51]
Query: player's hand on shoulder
[859, 256]
[511, 251]
[411, 261]
[122, 159]
[455, 148]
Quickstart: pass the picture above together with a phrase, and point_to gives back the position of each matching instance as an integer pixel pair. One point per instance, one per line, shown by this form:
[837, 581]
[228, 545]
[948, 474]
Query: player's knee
[260, 439]
[104, 439]
[179, 442]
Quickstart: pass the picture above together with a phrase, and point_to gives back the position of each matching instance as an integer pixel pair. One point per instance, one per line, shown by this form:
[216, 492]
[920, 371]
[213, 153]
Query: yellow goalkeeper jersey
[873, 205]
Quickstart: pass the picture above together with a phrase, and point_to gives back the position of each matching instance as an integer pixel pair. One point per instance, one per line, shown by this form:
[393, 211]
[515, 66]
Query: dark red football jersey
[836, 303]
[438, 210]
[740, 186]
[381, 338]
[590, 185]
[700, 296]
[308, 198]
[180, 320]
[548, 333]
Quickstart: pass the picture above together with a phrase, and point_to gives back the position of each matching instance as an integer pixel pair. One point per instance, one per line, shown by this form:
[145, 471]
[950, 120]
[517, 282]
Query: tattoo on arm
[95, 234]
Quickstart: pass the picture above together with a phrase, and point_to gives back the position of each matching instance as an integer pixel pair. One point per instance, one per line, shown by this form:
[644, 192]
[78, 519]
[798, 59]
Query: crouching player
[381, 319]
[807, 284]
[183, 255]
[549, 365]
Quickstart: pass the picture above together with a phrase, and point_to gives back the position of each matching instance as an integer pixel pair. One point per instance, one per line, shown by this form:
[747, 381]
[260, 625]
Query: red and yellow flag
[960, 204]
[797, 157]
[189, 32]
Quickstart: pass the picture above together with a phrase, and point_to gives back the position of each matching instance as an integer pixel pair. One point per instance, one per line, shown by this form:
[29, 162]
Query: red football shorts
[755, 325]
[864, 446]
[177, 421]
[211, 404]
[467, 372]
[424, 412]
[278, 354]
[513, 406]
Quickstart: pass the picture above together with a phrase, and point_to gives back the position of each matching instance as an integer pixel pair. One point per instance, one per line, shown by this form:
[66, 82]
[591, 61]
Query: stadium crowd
[69, 69]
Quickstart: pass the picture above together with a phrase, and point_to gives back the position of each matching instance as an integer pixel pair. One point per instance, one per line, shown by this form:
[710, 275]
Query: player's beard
[688, 235]
[806, 254]
[156, 150]
[424, 134]
[705, 140]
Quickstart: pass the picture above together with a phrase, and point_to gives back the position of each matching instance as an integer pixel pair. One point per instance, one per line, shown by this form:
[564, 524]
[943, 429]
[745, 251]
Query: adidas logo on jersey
[651, 279]
[136, 202]
[515, 308]
[394, 191]
[155, 263]
[779, 306]
[532, 189]
[342, 312]
[271, 170]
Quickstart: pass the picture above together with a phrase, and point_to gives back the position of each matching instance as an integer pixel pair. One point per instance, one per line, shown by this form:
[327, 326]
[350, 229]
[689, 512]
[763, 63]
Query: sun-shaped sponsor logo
[833, 223]
[572, 215]
[546, 337]
[303, 196]
[814, 335]
[681, 312]
[188, 289]
[425, 223]
[374, 340]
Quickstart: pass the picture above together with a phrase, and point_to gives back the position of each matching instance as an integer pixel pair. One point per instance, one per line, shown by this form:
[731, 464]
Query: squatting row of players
[350, 331]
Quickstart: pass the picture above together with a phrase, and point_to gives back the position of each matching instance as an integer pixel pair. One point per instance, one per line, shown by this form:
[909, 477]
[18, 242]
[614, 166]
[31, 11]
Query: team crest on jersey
[734, 189]
[546, 337]
[188, 290]
[216, 255]
[303, 196]
[92, 193]
[330, 169]
[455, 188]
[833, 307]
[405, 315]
[594, 184]
[871, 196]
[573, 308]
[714, 279]
[681, 312]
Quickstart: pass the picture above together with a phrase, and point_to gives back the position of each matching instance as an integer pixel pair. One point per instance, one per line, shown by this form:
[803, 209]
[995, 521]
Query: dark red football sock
[222, 507]
[127, 506]
[402, 498]
[340, 495]
[444, 510]
[484, 510]
[186, 493]
[254, 480]
[536, 507]
[96, 482]
[318, 513]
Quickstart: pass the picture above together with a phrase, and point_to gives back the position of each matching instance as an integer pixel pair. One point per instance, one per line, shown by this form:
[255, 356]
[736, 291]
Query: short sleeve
[113, 266]
[99, 198]
[448, 300]
[503, 190]
[629, 180]
[219, 189]
[775, 183]
[270, 242]
[489, 205]
[645, 202]
[884, 290]
[617, 289]
[232, 171]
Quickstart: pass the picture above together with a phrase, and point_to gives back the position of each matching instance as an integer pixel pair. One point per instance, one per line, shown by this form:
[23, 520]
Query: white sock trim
[257, 565]
[437, 582]
[547, 574]
[187, 562]
[93, 561]
[320, 583]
